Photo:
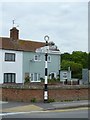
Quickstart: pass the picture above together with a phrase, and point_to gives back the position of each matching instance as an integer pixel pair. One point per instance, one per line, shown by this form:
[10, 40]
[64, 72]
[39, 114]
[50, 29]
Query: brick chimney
[14, 33]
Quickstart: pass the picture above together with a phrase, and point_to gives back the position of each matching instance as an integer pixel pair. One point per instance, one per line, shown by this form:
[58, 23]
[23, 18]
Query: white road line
[14, 113]
[2, 102]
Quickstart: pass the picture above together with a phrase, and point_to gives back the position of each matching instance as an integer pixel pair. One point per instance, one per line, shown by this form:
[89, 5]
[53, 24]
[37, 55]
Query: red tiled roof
[21, 45]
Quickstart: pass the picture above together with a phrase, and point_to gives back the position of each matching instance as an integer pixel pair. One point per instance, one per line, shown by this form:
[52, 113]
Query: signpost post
[46, 38]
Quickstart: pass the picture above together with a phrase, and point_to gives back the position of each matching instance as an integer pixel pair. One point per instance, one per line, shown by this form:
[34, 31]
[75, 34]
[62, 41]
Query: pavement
[27, 107]
[63, 105]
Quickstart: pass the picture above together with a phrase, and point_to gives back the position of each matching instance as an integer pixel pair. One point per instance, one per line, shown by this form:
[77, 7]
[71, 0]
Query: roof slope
[21, 45]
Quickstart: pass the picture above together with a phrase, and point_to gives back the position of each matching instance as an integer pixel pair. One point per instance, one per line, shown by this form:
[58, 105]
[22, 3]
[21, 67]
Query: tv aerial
[13, 23]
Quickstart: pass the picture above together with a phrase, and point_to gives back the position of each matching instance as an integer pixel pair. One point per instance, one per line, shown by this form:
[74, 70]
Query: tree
[77, 61]
[66, 56]
[76, 68]
[80, 57]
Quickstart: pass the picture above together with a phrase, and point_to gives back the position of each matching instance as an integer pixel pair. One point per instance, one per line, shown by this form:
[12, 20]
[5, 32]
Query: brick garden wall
[58, 94]
[69, 94]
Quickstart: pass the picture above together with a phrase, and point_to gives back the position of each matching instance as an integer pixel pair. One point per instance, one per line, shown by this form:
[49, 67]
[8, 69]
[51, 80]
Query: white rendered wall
[12, 67]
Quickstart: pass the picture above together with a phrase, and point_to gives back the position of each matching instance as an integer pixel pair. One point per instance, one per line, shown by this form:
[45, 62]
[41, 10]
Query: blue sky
[66, 23]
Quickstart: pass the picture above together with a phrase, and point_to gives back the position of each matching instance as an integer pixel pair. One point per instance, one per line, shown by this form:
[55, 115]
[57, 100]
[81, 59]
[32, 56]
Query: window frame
[48, 58]
[10, 57]
[38, 58]
[32, 75]
[35, 77]
[35, 57]
[11, 75]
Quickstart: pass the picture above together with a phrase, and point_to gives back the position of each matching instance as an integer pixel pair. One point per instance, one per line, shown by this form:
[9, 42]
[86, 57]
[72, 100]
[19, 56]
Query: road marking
[15, 113]
[3, 102]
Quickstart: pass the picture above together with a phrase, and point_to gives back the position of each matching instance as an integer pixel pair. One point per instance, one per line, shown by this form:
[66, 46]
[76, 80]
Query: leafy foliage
[27, 79]
[51, 100]
[33, 100]
[76, 61]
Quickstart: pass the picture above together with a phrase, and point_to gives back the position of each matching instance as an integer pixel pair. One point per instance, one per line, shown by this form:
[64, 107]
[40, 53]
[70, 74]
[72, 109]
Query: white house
[18, 59]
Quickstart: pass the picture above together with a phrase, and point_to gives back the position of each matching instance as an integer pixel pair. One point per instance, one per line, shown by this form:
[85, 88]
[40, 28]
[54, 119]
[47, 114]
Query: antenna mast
[13, 21]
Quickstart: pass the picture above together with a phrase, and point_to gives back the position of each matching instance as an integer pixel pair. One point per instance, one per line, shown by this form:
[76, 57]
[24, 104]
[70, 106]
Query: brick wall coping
[8, 86]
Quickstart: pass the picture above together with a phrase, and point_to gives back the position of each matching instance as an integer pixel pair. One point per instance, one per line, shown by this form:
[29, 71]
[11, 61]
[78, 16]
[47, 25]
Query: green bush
[42, 80]
[51, 100]
[54, 80]
[33, 100]
[27, 79]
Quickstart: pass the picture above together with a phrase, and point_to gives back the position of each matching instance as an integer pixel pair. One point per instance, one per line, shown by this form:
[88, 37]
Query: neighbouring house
[19, 59]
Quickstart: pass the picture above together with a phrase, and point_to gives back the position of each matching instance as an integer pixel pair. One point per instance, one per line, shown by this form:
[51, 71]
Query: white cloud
[65, 23]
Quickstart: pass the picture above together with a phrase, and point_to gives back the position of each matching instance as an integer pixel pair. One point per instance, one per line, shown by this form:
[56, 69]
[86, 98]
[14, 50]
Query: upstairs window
[49, 58]
[10, 57]
[37, 58]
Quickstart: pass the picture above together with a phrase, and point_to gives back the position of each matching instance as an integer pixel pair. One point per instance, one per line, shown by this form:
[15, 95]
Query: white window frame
[32, 77]
[48, 58]
[35, 57]
[38, 74]
[38, 58]
[35, 77]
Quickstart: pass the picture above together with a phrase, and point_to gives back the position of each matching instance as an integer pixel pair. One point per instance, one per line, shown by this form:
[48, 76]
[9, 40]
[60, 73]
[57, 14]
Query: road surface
[67, 113]
[38, 110]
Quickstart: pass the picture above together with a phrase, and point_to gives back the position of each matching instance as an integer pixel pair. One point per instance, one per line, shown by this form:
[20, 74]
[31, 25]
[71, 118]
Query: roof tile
[22, 45]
